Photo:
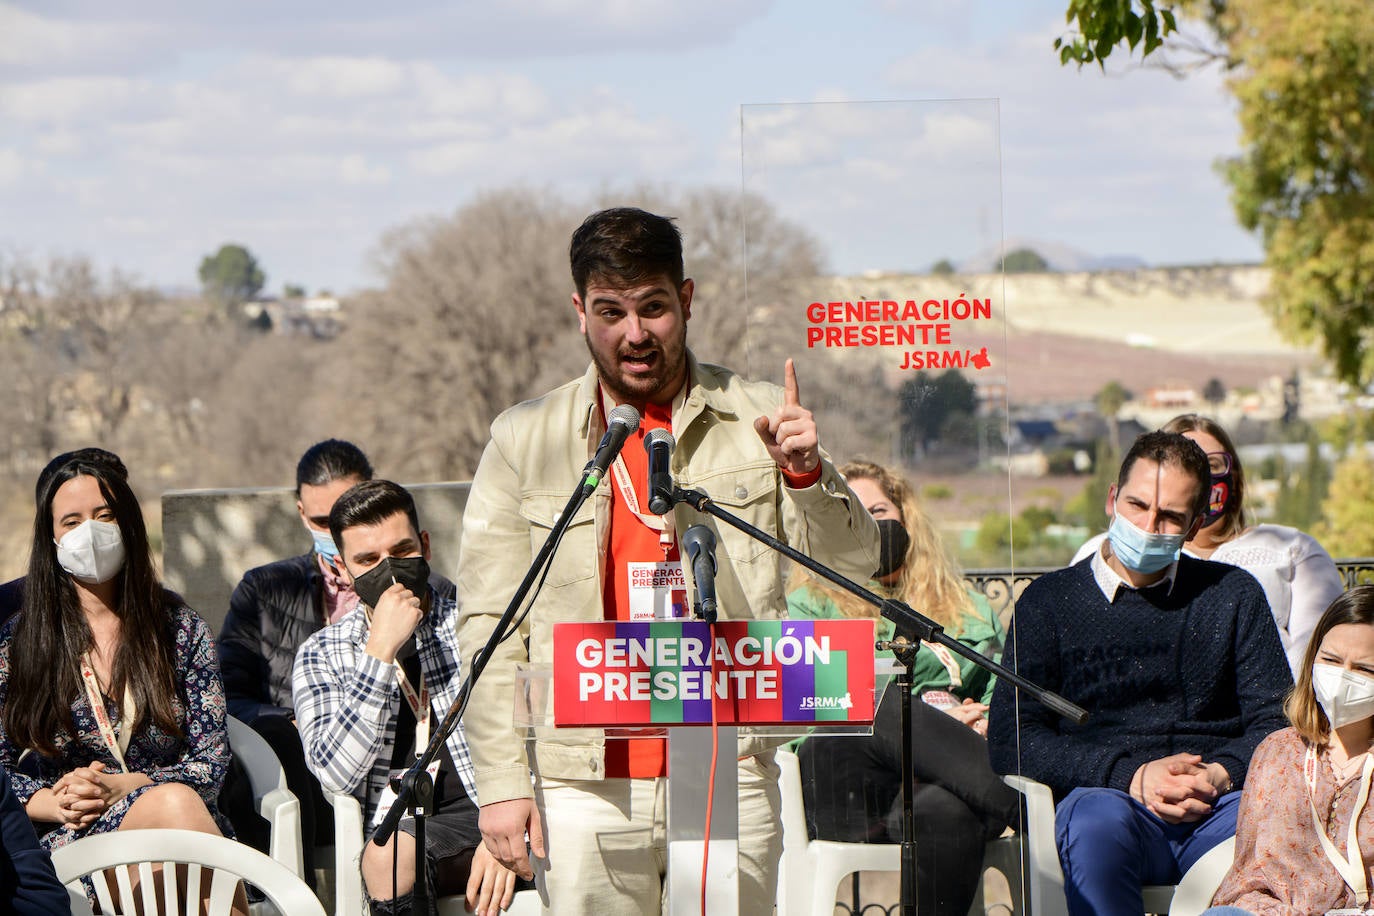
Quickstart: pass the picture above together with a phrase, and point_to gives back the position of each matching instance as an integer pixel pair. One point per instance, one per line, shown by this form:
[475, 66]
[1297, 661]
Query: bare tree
[475, 316]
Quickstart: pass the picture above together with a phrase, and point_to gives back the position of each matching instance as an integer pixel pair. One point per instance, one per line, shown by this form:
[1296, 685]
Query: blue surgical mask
[324, 544]
[1142, 551]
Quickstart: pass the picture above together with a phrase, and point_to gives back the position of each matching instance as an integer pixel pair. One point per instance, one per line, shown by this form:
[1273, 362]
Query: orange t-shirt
[631, 541]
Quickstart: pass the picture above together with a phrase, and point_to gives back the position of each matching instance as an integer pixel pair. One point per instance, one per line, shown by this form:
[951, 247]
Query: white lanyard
[1351, 866]
[117, 742]
[660, 523]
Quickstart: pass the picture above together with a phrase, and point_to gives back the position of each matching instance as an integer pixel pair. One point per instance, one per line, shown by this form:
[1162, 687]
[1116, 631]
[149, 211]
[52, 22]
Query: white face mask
[93, 551]
[1345, 696]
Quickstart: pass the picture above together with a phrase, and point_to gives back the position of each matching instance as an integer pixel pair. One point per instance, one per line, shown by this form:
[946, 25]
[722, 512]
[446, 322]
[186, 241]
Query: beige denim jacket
[529, 469]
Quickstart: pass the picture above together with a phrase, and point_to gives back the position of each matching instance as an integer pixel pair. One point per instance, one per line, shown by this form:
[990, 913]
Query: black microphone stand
[415, 788]
[909, 621]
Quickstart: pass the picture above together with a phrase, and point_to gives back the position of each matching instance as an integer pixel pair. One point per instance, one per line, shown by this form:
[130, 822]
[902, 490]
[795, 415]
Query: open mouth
[640, 362]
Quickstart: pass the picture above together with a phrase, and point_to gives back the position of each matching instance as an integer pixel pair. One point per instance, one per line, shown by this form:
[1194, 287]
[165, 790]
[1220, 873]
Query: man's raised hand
[790, 434]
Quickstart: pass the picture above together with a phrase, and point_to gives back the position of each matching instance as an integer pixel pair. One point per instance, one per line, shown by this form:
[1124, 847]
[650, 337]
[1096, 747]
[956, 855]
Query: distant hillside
[1067, 334]
[1060, 257]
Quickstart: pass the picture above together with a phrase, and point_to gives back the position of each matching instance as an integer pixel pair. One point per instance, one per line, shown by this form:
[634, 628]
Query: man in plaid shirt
[368, 689]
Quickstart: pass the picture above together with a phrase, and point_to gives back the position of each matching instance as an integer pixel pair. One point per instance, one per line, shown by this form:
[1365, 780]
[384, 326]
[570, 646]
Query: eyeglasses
[1219, 463]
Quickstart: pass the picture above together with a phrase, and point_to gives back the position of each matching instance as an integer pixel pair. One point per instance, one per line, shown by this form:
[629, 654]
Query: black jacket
[272, 612]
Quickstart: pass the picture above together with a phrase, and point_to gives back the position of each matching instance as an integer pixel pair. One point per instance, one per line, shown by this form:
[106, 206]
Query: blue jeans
[1110, 845]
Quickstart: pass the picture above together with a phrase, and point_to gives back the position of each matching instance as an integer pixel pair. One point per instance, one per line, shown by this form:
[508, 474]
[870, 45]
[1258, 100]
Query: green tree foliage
[942, 268]
[231, 275]
[1348, 530]
[1025, 261]
[1305, 178]
[1087, 507]
[997, 532]
[1302, 489]
[1109, 400]
[1301, 71]
[293, 291]
[1105, 24]
[932, 405]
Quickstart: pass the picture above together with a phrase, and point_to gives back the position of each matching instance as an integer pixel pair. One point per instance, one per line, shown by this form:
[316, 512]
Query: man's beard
[638, 388]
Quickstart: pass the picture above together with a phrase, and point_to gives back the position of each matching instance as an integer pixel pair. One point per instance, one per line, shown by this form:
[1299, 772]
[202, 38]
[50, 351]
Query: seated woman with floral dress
[114, 713]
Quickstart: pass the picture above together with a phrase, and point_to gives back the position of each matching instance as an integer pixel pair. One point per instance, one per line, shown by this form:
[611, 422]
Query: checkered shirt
[347, 702]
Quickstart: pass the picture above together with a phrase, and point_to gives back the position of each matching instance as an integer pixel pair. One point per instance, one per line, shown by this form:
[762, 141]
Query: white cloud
[41, 42]
[11, 166]
[342, 77]
[141, 36]
[65, 99]
[356, 170]
[1095, 158]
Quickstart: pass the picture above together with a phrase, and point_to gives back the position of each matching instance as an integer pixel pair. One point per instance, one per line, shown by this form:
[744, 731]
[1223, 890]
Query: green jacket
[982, 632]
[531, 465]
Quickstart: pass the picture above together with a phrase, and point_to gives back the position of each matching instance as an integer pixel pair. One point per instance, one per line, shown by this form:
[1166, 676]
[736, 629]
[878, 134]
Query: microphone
[699, 543]
[659, 443]
[622, 422]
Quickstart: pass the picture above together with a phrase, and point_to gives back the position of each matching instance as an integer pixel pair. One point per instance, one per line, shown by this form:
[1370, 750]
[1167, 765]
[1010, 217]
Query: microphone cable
[711, 779]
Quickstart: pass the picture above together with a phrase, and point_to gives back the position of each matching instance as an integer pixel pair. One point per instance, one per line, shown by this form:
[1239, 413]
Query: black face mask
[411, 572]
[893, 542]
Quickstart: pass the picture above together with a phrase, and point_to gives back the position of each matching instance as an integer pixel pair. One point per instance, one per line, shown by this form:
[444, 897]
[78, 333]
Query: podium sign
[766, 672]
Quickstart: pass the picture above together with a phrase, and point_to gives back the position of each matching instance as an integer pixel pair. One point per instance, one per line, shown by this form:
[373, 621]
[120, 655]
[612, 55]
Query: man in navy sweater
[1179, 664]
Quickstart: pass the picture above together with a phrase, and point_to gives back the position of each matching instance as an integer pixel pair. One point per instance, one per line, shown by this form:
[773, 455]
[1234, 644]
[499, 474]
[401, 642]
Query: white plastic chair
[1194, 892]
[213, 863]
[1044, 876]
[811, 870]
[275, 802]
[349, 899]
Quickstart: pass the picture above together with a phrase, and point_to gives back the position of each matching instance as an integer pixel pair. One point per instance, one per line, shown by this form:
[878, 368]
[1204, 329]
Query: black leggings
[853, 793]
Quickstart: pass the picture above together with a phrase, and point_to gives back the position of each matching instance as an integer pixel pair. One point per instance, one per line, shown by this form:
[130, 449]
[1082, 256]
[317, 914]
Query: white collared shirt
[1111, 583]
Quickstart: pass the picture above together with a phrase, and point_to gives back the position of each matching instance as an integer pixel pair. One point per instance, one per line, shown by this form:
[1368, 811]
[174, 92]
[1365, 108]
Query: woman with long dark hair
[114, 713]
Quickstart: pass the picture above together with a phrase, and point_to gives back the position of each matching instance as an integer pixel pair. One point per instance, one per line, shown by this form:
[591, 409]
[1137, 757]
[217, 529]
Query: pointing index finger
[791, 395]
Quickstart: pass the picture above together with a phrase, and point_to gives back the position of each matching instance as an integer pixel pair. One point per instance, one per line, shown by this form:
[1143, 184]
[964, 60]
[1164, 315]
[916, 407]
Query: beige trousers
[607, 842]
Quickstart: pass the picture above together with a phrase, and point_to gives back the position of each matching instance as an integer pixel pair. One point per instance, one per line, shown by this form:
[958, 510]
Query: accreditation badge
[658, 591]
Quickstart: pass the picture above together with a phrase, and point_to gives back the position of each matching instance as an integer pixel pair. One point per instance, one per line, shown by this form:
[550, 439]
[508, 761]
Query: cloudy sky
[147, 132]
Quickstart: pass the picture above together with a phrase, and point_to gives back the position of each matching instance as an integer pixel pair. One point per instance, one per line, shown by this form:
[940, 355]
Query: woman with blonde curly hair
[852, 785]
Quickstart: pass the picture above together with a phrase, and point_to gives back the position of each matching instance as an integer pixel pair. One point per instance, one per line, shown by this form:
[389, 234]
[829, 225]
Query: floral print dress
[199, 758]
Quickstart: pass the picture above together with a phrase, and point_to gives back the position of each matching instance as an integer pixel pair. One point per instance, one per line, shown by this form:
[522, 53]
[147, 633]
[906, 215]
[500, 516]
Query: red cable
[710, 780]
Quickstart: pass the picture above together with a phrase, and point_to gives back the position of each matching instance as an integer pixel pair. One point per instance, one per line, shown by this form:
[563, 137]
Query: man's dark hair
[1171, 449]
[330, 460]
[625, 246]
[370, 503]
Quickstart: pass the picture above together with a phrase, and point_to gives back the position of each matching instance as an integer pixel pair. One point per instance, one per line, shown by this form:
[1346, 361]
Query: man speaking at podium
[594, 809]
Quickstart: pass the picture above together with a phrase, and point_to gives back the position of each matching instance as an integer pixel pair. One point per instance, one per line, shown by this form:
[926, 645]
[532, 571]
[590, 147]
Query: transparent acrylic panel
[894, 315]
